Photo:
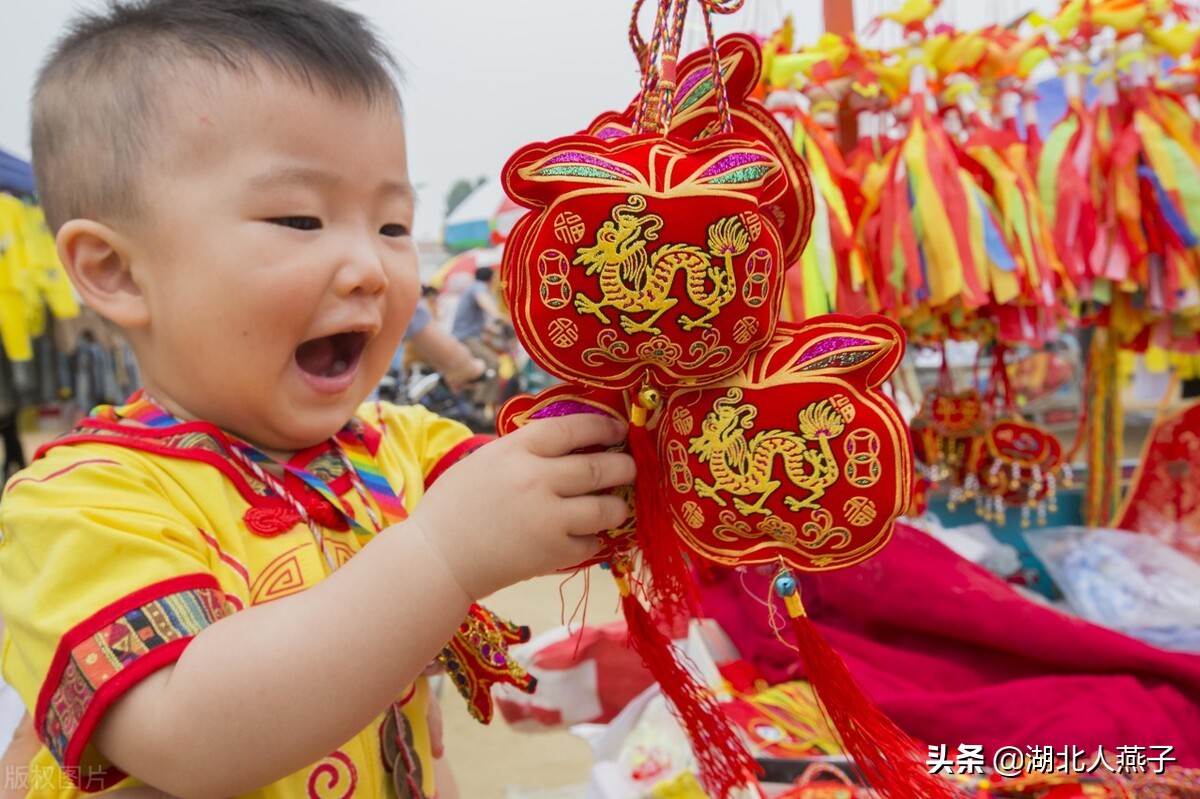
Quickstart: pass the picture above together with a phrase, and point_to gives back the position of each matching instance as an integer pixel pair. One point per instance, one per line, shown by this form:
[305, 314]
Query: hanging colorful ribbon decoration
[972, 225]
[649, 275]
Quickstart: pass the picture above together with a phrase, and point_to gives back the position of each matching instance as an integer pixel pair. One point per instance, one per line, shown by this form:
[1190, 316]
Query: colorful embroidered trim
[102, 657]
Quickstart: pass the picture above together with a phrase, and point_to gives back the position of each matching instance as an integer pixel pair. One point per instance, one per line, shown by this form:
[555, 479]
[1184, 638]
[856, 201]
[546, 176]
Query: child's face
[275, 258]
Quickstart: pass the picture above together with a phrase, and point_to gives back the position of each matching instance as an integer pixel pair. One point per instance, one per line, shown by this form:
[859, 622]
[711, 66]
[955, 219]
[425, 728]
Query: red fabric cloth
[954, 656]
[1164, 499]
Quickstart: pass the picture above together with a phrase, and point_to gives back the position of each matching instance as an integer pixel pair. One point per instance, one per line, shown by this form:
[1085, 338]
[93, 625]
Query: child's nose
[363, 270]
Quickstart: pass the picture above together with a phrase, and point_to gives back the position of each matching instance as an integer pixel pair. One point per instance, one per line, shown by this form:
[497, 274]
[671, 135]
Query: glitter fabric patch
[575, 171]
[744, 174]
[576, 157]
[735, 160]
[698, 85]
[566, 408]
[694, 77]
[609, 133]
[840, 359]
[831, 344]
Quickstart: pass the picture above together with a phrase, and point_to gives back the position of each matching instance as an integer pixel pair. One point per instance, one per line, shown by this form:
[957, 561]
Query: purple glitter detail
[694, 77]
[825, 346]
[566, 408]
[576, 157]
[733, 161]
[610, 133]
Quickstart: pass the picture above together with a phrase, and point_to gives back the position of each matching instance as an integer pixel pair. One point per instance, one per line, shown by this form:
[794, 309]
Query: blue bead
[785, 585]
[605, 565]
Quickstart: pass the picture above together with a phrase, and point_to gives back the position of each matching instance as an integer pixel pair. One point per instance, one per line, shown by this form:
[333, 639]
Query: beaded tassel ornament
[1015, 464]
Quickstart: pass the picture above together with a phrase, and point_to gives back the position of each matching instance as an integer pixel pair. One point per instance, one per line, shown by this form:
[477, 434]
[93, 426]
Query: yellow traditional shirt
[120, 543]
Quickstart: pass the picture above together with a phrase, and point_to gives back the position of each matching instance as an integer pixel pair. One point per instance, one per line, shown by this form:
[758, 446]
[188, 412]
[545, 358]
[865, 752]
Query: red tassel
[670, 586]
[724, 762]
[888, 758]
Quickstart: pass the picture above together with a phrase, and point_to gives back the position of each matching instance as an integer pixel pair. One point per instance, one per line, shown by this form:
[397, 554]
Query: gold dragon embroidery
[635, 280]
[745, 469]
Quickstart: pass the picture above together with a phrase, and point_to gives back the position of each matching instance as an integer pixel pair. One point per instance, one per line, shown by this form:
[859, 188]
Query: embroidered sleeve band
[104, 656]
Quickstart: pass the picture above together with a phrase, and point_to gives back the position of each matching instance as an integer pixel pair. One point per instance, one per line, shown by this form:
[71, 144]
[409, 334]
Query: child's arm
[25, 745]
[264, 692]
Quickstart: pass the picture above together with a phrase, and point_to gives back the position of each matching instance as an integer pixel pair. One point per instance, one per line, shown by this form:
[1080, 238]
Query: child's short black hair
[99, 101]
[484, 273]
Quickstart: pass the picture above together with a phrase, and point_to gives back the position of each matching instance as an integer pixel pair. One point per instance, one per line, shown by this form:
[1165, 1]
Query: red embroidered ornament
[646, 258]
[565, 399]
[785, 462]
[648, 274]
[1020, 468]
[477, 658]
[945, 432]
[798, 460]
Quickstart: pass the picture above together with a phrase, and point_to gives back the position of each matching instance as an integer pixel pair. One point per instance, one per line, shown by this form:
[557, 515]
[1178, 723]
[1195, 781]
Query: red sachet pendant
[565, 399]
[800, 458]
[645, 258]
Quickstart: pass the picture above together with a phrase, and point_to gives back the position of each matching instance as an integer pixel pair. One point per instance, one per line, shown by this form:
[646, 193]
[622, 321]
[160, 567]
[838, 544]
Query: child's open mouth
[330, 357]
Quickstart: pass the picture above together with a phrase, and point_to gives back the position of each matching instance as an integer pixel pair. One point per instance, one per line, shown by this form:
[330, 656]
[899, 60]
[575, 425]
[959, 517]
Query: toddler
[232, 584]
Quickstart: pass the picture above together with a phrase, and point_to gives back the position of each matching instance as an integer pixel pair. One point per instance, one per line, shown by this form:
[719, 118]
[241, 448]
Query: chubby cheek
[245, 339]
[385, 345]
[403, 294]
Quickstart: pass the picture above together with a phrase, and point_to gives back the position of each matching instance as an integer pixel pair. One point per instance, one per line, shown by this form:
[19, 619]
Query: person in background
[429, 298]
[428, 343]
[477, 318]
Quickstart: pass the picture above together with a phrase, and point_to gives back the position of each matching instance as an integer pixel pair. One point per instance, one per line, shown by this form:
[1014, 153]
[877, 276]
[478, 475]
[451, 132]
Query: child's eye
[394, 231]
[297, 222]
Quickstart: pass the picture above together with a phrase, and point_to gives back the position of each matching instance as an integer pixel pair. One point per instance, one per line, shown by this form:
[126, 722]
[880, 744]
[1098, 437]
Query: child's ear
[97, 259]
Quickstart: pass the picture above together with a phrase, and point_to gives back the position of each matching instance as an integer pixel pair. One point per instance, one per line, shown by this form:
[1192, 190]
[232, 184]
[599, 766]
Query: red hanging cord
[670, 589]
[724, 763]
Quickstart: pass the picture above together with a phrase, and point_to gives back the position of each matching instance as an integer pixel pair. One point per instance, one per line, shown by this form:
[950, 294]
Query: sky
[482, 77]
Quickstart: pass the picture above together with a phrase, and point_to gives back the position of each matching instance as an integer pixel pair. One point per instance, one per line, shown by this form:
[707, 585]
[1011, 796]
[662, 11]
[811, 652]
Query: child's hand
[528, 503]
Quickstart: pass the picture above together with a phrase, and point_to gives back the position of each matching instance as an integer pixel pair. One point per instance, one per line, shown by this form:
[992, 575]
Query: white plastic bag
[1130, 582]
